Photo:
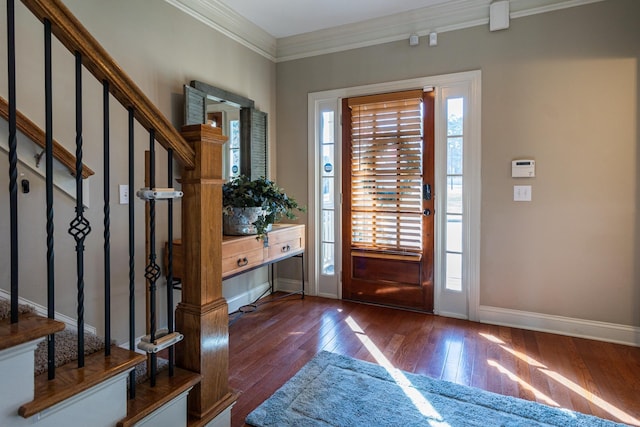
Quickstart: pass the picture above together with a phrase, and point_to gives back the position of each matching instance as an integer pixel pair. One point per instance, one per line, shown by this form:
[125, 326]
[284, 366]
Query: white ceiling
[283, 18]
[284, 30]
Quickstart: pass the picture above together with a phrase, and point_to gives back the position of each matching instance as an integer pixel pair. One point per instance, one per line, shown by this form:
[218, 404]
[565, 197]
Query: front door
[388, 206]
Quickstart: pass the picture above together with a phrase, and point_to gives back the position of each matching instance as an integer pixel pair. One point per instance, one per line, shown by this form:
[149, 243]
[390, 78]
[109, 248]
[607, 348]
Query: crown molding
[222, 18]
[449, 16]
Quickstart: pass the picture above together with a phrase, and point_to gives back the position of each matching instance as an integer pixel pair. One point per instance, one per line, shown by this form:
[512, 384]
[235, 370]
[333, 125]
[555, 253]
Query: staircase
[54, 403]
[102, 388]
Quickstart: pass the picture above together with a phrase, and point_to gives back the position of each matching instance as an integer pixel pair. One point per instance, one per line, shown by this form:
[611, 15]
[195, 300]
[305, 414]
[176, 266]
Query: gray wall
[161, 48]
[560, 87]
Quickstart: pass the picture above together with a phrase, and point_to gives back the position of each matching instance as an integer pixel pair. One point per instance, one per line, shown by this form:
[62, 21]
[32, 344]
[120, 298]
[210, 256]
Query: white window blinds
[386, 171]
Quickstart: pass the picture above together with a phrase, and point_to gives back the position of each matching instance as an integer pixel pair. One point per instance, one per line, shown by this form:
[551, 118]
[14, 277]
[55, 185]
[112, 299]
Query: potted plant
[251, 207]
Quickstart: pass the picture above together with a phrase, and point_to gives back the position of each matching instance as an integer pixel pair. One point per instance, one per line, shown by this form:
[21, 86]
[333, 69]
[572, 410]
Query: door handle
[426, 212]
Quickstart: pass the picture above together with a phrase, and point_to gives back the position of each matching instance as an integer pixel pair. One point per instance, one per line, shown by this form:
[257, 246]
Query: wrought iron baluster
[48, 93]
[13, 158]
[107, 220]
[170, 302]
[79, 227]
[152, 270]
[132, 274]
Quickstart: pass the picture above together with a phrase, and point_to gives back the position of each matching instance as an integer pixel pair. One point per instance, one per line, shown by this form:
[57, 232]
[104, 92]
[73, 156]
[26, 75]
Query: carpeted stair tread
[66, 349]
[5, 309]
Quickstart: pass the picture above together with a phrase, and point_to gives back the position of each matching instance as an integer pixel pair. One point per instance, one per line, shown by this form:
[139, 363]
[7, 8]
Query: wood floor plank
[268, 346]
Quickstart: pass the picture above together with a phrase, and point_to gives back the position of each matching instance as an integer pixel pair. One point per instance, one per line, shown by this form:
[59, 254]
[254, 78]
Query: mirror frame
[253, 124]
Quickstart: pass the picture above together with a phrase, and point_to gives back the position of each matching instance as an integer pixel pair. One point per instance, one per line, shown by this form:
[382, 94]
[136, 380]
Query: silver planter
[240, 222]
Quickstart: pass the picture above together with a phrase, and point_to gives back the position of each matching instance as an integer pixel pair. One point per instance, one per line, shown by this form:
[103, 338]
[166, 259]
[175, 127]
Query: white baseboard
[290, 285]
[247, 297]
[602, 331]
[451, 314]
[323, 295]
[42, 311]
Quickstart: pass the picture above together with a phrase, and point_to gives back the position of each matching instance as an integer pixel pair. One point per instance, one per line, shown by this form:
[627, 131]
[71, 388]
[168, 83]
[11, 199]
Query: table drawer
[284, 235]
[284, 248]
[235, 246]
[242, 261]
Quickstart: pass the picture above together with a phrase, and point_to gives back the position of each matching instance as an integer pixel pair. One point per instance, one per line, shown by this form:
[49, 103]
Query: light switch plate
[521, 193]
[124, 194]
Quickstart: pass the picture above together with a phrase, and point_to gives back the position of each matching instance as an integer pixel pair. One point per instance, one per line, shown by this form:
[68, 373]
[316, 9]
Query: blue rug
[334, 390]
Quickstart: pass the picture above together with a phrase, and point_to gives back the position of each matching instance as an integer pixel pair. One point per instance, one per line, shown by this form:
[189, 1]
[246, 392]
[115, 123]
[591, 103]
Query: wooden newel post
[202, 316]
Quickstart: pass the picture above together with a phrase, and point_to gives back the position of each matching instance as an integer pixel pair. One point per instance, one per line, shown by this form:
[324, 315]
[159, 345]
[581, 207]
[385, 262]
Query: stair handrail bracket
[75, 37]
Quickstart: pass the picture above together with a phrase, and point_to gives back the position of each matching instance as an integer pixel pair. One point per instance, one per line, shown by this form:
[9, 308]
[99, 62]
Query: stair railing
[203, 312]
[59, 22]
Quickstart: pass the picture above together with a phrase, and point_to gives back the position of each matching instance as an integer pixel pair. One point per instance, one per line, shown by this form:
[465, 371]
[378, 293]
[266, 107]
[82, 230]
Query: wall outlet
[124, 194]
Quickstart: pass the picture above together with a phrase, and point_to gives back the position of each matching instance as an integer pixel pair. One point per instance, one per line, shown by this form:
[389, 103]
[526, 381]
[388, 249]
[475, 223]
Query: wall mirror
[245, 153]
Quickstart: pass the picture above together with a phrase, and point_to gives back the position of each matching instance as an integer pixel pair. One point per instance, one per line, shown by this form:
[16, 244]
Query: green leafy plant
[242, 192]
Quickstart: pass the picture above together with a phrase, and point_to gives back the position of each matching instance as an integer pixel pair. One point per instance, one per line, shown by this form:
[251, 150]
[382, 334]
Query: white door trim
[470, 80]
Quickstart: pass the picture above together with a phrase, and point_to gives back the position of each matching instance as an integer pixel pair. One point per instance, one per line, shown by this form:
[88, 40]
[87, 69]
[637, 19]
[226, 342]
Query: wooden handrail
[75, 37]
[34, 133]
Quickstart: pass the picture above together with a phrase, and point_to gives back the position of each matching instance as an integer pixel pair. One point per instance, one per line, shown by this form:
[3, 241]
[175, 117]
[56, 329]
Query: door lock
[426, 191]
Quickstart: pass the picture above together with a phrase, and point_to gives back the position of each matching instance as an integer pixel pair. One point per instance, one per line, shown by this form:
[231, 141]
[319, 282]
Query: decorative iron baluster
[13, 157]
[79, 227]
[170, 303]
[48, 95]
[132, 246]
[152, 271]
[107, 220]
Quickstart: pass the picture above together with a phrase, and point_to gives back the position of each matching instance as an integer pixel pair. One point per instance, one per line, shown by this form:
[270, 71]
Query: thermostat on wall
[523, 168]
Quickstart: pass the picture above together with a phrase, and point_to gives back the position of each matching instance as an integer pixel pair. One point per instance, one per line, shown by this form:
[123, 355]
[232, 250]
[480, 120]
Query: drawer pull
[286, 248]
[242, 262]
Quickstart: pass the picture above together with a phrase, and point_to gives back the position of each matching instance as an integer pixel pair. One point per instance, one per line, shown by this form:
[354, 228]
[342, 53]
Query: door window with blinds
[386, 172]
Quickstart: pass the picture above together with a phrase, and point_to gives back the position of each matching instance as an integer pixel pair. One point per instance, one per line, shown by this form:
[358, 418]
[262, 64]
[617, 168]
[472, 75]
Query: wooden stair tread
[70, 380]
[148, 398]
[29, 327]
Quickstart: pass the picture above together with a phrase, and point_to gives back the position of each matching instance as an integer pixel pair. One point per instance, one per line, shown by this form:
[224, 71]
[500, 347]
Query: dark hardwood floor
[270, 345]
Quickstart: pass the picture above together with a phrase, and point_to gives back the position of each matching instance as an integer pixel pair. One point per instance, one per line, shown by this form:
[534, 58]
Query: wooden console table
[241, 254]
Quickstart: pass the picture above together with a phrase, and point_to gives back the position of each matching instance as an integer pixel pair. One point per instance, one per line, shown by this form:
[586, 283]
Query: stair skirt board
[16, 369]
[223, 419]
[101, 406]
[173, 414]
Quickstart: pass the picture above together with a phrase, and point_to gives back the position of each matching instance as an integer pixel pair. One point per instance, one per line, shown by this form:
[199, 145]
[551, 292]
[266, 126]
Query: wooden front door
[388, 206]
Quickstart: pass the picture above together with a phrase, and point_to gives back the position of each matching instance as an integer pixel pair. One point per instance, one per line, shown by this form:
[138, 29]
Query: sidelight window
[454, 189]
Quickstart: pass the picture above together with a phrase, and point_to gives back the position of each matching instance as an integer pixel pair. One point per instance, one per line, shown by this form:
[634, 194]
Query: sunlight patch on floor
[530, 360]
[596, 400]
[420, 402]
[618, 413]
[513, 377]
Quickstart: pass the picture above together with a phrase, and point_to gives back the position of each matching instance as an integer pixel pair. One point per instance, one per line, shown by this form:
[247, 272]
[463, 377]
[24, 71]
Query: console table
[244, 253]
